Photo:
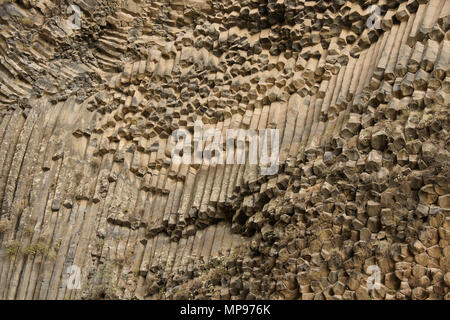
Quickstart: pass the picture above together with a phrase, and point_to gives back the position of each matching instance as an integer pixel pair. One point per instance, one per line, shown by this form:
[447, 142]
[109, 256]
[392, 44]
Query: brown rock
[373, 208]
[444, 201]
[447, 279]
[391, 281]
[422, 259]
[427, 195]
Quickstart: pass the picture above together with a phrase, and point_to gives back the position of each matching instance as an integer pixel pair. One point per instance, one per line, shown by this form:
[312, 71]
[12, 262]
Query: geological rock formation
[93, 207]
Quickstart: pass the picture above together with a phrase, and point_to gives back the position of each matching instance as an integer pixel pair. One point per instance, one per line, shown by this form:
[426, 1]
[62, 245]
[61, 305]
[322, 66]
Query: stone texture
[87, 179]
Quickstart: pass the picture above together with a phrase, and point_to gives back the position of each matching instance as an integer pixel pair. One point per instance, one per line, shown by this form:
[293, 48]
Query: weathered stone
[379, 140]
[444, 201]
[374, 161]
[373, 208]
[88, 119]
[427, 195]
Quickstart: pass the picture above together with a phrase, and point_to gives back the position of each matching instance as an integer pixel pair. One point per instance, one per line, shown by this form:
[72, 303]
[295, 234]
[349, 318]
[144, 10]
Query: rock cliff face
[92, 205]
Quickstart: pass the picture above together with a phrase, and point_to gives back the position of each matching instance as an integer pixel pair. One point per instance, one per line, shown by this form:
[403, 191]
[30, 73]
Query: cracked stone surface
[87, 180]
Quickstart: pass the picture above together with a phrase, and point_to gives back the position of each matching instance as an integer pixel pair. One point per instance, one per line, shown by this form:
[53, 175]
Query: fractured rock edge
[87, 179]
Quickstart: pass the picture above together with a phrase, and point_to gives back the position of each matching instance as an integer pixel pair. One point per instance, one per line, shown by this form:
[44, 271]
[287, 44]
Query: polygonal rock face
[351, 201]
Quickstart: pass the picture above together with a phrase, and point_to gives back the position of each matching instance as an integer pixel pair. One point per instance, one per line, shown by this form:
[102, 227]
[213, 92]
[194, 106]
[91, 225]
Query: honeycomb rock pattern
[86, 118]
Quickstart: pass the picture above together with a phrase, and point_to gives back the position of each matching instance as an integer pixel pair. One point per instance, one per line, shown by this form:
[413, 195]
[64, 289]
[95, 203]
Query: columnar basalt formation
[359, 94]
